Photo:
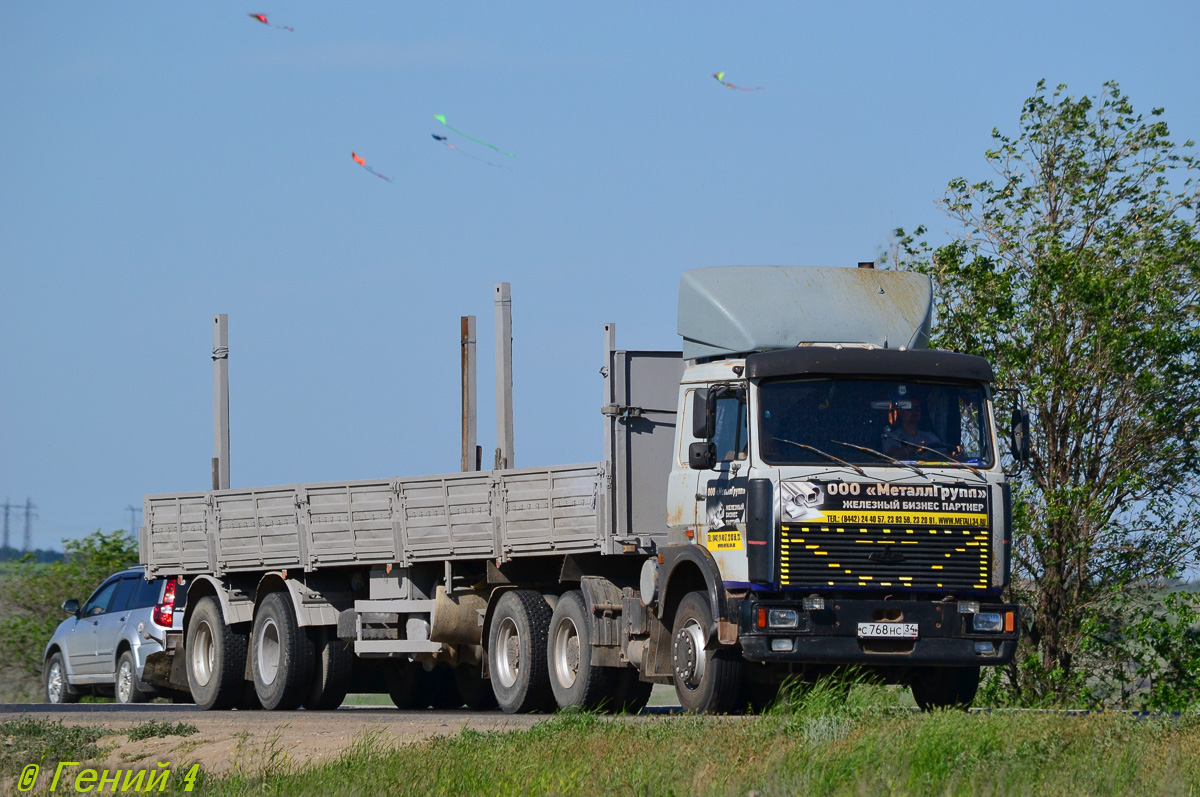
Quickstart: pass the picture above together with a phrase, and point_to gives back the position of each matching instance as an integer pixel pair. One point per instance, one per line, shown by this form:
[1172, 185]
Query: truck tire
[216, 657]
[54, 678]
[945, 687]
[281, 654]
[475, 690]
[333, 664]
[629, 694]
[573, 678]
[517, 652]
[706, 681]
[402, 678]
[127, 682]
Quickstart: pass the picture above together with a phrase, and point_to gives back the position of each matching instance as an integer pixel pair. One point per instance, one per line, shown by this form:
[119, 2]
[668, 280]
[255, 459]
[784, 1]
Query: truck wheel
[216, 657]
[58, 689]
[126, 687]
[402, 678]
[281, 654]
[706, 681]
[333, 663]
[475, 691]
[945, 687]
[629, 693]
[517, 652]
[573, 678]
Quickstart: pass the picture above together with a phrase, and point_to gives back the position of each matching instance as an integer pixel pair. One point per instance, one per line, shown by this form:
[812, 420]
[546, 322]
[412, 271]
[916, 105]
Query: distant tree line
[41, 555]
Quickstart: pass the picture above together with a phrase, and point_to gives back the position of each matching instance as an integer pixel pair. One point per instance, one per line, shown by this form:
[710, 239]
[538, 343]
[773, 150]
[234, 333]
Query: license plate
[887, 630]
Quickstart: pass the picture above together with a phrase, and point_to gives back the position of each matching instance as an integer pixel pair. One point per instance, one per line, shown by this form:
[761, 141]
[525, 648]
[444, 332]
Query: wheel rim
[125, 682]
[566, 653]
[508, 652]
[690, 660]
[268, 651]
[54, 682]
[204, 654]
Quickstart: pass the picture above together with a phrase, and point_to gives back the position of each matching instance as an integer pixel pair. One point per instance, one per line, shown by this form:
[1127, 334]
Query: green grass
[156, 728]
[828, 741]
[36, 741]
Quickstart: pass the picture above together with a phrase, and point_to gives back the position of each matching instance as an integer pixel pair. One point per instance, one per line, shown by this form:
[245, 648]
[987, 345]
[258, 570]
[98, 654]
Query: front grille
[817, 555]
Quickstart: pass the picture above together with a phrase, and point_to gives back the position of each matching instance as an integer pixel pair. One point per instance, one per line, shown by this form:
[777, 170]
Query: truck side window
[732, 430]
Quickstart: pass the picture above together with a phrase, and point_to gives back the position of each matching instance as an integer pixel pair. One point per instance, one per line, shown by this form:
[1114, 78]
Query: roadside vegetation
[36, 740]
[825, 741]
[31, 597]
[1075, 270]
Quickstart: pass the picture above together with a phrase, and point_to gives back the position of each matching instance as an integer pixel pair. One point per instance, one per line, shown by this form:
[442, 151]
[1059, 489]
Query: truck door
[721, 491]
[681, 488]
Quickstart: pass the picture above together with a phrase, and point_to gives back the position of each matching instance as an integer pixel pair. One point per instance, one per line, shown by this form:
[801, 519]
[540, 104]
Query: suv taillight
[164, 613]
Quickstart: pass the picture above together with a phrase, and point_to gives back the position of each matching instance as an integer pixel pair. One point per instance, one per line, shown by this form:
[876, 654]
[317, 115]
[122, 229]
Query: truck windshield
[811, 421]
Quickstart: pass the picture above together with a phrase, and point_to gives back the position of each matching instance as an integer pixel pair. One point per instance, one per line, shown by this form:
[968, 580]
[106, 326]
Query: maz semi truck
[804, 487]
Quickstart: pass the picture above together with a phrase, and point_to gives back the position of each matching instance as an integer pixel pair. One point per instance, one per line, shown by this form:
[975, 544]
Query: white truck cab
[843, 481]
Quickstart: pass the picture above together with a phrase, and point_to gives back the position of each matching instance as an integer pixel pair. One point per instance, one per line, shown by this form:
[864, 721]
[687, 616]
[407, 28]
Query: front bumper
[945, 636]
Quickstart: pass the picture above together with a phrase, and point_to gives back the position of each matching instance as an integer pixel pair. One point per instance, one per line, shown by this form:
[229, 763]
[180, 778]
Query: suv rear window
[121, 600]
[147, 593]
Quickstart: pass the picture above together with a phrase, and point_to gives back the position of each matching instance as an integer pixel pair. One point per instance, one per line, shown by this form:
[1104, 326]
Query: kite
[720, 76]
[361, 161]
[445, 143]
[263, 19]
[442, 119]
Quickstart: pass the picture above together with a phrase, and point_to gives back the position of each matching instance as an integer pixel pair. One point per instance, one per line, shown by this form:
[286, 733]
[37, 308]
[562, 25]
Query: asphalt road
[118, 710]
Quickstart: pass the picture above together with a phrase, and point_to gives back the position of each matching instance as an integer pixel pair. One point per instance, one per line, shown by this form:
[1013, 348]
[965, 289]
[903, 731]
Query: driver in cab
[904, 436]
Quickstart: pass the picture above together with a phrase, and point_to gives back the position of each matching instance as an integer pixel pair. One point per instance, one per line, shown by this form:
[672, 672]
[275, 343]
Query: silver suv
[103, 646]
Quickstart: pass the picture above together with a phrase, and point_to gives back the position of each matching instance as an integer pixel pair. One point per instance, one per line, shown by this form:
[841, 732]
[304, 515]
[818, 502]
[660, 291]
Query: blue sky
[160, 163]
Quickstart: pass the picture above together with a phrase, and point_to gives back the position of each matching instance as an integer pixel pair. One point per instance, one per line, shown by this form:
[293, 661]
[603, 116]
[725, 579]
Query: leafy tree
[1077, 274]
[36, 592]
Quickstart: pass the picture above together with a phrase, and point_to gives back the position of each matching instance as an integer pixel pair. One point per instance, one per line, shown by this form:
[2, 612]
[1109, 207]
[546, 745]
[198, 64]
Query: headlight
[988, 622]
[783, 645]
[783, 618]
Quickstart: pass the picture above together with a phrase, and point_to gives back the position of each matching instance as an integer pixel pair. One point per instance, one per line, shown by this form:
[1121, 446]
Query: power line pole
[133, 511]
[29, 516]
[7, 508]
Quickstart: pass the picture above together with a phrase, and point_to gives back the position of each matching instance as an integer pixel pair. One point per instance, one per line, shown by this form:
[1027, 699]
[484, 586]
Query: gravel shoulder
[254, 741]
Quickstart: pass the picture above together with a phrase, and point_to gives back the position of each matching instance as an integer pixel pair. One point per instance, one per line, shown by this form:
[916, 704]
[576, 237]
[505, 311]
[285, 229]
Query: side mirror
[704, 419]
[71, 606]
[702, 455]
[1019, 435]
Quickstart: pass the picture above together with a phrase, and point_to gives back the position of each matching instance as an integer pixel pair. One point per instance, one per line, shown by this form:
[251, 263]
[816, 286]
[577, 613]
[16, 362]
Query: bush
[34, 593]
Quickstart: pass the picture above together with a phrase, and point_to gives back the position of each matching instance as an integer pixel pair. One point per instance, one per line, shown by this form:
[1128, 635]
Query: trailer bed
[497, 514]
[613, 506]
